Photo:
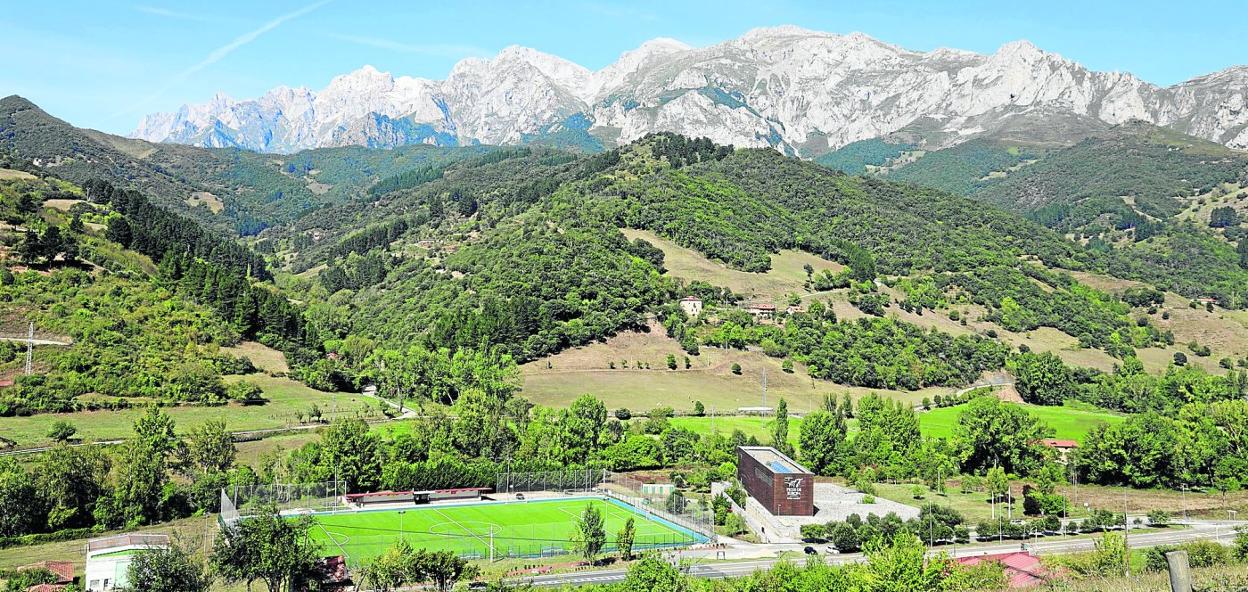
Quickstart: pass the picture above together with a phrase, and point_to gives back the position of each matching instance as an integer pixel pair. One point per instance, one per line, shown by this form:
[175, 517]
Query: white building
[108, 558]
[692, 305]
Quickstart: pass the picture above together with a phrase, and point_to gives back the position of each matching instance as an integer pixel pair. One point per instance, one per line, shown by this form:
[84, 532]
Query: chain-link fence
[242, 501]
[569, 481]
[666, 504]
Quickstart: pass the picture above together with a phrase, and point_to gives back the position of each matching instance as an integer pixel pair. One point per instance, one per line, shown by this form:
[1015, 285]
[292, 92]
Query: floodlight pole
[402, 533]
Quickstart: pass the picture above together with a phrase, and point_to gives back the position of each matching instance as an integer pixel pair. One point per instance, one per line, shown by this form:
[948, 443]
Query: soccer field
[521, 529]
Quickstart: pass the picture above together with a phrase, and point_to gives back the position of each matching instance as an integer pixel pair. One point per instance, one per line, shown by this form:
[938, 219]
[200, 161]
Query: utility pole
[1184, 503]
[30, 348]
[764, 387]
[1126, 536]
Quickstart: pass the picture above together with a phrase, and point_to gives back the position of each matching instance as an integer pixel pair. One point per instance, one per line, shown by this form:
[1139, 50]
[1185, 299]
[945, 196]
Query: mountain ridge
[803, 92]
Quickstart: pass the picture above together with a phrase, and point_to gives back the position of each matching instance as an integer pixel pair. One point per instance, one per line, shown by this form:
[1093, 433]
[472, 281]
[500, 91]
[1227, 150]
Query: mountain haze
[803, 92]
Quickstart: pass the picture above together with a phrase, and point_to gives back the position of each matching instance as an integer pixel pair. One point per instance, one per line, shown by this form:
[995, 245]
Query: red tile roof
[1021, 569]
[1055, 443]
[64, 570]
[46, 588]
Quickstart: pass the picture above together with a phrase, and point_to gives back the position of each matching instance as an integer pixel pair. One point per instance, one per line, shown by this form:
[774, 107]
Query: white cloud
[449, 50]
[173, 14]
[220, 53]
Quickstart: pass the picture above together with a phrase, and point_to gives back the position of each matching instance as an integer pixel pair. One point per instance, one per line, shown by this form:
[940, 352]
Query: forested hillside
[1148, 203]
[237, 191]
[518, 252]
[133, 333]
[521, 250]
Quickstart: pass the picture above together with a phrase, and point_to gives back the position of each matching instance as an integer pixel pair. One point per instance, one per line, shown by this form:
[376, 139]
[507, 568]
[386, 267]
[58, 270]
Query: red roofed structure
[47, 588]
[64, 570]
[1022, 570]
[1063, 447]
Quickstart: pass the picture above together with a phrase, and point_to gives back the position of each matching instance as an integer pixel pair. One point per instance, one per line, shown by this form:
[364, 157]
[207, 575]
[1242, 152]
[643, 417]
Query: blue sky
[104, 63]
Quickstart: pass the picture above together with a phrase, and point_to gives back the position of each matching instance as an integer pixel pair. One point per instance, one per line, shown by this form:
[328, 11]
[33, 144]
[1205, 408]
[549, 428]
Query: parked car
[810, 551]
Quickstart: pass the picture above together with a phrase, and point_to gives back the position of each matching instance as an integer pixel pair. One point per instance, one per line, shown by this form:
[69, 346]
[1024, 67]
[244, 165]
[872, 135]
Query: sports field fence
[689, 513]
[570, 481]
[244, 501]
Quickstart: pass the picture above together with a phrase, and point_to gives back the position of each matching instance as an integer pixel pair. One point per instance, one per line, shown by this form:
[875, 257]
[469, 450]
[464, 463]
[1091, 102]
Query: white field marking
[331, 537]
[465, 528]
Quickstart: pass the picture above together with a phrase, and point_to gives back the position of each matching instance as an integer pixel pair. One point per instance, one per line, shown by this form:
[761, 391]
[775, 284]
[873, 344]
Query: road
[1221, 531]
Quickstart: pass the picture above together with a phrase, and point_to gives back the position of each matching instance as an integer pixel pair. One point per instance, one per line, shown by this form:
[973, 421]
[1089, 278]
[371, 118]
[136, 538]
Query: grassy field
[519, 528]
[709, 379]
[1069, 423]
[976, 506]
[262, 356]
[786, 276]
[759, 427]
[1224, 331]
[285, 397]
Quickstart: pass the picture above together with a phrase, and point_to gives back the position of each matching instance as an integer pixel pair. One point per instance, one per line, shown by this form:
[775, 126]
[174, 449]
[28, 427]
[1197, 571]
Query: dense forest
[1121, 193]
[855, 157]
[146, 297]
[965, 168]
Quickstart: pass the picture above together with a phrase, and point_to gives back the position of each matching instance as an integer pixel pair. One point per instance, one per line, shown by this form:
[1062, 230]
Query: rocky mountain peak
[798, 90]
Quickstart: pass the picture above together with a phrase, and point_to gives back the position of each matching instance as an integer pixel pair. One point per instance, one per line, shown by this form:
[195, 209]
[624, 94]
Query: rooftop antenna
[30, 348]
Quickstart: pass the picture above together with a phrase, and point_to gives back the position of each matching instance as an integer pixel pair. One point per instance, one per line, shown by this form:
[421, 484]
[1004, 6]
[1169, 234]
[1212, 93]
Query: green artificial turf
[521, 529]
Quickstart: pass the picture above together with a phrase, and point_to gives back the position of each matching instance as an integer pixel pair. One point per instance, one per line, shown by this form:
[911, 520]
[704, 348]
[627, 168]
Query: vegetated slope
[522, 249]
[130, 333]
[964, 168]
[1120, 192]
[855, 157]
[1154, 168]
[254, 191]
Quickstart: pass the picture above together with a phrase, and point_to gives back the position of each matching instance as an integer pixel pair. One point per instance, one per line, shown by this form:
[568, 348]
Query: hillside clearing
[787, 275]
[709, 379]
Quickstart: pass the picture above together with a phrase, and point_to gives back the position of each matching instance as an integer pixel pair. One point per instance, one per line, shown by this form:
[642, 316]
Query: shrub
[245, 392]
[812, 532]
[623, 414]
[844, 537]
[736, 368]
[61, 430]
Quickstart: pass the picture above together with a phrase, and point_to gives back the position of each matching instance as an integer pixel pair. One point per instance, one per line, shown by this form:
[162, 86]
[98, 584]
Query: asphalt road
[1222, 531]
